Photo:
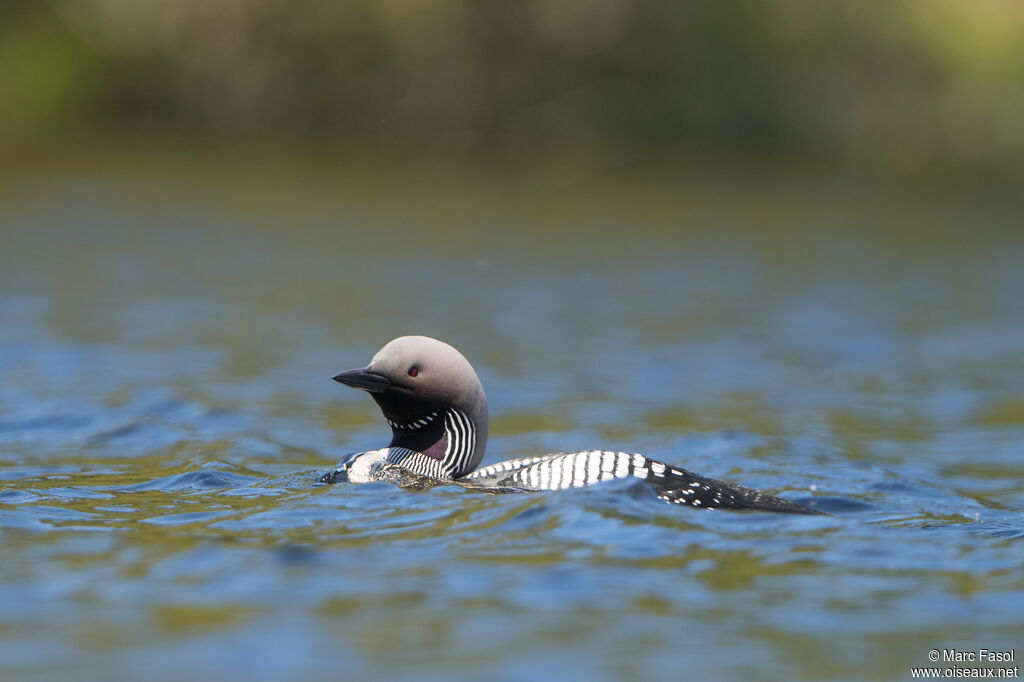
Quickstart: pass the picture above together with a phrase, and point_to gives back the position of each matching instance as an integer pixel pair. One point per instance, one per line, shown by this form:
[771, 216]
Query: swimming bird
[436, 407]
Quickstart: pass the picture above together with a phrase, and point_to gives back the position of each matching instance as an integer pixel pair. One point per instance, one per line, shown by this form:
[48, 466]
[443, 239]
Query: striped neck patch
[460, 442]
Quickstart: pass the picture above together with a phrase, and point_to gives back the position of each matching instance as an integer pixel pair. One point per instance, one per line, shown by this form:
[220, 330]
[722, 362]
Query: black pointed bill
[365, 379]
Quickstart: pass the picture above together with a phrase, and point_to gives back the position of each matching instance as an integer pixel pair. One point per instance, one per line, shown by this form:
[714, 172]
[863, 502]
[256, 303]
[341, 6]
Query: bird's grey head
[419, 382]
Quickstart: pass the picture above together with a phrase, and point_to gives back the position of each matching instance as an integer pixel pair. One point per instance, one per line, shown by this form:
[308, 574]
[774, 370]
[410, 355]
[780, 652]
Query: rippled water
[165, 408]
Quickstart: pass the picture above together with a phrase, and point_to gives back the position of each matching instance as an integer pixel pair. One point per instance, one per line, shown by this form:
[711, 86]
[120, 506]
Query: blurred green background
[927, 90]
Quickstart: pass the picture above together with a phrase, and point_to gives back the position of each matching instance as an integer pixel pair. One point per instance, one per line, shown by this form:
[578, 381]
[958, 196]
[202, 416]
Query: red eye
[414, 370]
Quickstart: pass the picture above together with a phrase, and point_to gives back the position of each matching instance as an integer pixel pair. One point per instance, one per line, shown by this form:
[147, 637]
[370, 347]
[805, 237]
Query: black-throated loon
[437, 410]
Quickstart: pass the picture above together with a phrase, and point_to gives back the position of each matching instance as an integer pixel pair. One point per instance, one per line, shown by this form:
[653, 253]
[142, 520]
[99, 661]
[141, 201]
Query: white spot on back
[579, 469]
[534, 475]
[639, 468]
[567, 471]
[621, 465]
[593, 467]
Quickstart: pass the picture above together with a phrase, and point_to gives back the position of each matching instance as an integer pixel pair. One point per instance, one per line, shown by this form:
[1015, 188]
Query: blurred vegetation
[920, 87]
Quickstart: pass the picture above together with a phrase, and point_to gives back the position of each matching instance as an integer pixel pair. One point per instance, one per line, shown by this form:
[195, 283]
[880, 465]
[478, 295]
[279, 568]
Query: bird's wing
[672, 484]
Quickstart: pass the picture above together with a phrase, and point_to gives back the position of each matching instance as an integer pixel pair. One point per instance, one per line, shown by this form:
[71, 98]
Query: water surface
[166, 406]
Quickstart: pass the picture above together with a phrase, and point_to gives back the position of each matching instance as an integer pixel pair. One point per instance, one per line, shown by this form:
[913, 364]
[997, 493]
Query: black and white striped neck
[460, 442]
[446, 440]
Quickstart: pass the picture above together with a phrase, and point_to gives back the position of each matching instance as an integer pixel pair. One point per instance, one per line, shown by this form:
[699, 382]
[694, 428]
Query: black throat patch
[426, 435]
